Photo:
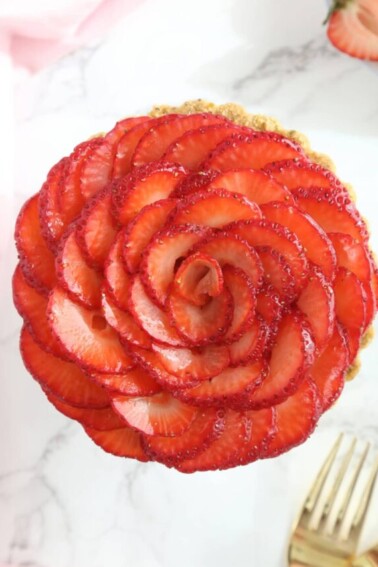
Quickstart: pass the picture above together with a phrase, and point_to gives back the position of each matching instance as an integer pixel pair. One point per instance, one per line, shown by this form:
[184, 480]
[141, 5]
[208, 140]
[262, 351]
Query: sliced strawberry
[199, 364]
[85, 335]
[117, 280]
[96, 169]
[161, 256]
[81, 281]
[32, 306]
[96, 231]
[353, 340]
[317, 302]
[227, 248]
[144, 186]
[124, 323]
[133, 382]
[123, 126]
[297, 173]
[228, 387]
[193, 182]
[263, 431]
[329, 369]
[266, 233]
[292, 354]
[161, 414]
[192, 148]
[64, 379]
[296, 419]
[121, 442]
[53, 222]
[351, 255]
[153, 320]
[244, 302]
[370, 305]
[256, 185]
[214, 208]
[350, 300]
[223, 453]
[204, 429]
[254, 150]
[353, 28]
[37, 260]
[277, 272]
[142, 228]
[126, 147]
[198, 278]
[251, 345]
[269, 305]
[333, 213]
[315, 241]
[166, 130]
[101, 419]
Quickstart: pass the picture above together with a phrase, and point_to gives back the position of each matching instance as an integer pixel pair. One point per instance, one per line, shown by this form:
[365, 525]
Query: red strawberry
[214, 208]
[96, 169]
[157, 140]
[123, 442]
[81, 281]
[251, 345]
[161, 414]
[142, 228]
[61, 378]
[353, 340]
[296, 173]
[350, 300]
[370, 305]
[333, 213]
[85, 335]
[256, 185]
[52, 220]
[254, 150]
[100, 419]
[244, 302]
[318, 247]
[126, 146]
[317, 302]
[263, 432]
[117, 280]
[204, 429]
[123, 126]
[353, 28]
[144, 186]
[329, 369]
[296, 419]
[97, 231]
[193, 182]
[292, 354]
[277, 272]
[133, 382]
[198, 278]
[351, 255]
[269, 305]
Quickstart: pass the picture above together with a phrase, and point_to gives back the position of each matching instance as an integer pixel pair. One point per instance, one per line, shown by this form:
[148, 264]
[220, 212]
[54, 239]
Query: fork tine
[359, 518]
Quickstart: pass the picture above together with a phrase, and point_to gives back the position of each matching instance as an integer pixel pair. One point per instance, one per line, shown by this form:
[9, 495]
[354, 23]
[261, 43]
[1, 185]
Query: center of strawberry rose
[199, 278]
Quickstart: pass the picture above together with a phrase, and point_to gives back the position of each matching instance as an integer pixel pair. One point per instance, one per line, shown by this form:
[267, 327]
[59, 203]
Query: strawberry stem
[335, 7]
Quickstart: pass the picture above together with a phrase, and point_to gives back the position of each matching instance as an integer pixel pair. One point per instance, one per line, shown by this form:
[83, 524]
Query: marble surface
[63, 502]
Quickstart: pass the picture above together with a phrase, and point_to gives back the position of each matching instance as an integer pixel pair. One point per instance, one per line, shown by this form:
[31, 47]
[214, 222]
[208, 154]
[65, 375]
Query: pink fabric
[40, 31]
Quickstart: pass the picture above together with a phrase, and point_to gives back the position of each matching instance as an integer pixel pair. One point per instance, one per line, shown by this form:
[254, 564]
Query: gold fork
[316, 543]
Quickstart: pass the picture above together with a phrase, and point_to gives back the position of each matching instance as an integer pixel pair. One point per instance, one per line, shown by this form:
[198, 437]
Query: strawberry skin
[123, 442]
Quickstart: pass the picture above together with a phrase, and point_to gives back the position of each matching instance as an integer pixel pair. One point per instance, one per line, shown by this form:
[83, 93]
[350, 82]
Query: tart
[195, 287]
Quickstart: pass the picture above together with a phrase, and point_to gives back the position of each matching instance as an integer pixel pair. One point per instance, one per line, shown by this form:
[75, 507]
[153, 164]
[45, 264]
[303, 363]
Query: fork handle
[368, 559]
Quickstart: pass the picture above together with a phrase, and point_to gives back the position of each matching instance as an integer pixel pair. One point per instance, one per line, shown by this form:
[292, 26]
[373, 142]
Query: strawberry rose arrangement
[195, 287]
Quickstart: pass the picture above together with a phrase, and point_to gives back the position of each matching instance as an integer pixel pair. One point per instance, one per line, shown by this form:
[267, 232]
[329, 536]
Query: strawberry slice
[251, 345]
[256, 185]
[266, 233]
[96, 231]
[32, 306]
[329, 369]
[153, 320]
[133, 382]
[36, 259]
[269, 305]
[214, 208]
[317, 302]
[353, 28]
[142, 228]
[291, 356]
[350, 300]
[353, 339]
[244, 302]
[254, 150]
[370, 305]
[296, 173]
[192, 148]
[123, 126]
[157, 140]
[332, 213]
[351, 255]
[296, 419]
[193, 182]
[198, 279]
[63, 379]
[117, 280]
[101, 419]
[199, 364]
[53, 222]
[126, 147]
[263, 431]
[227, 388]
[121, 442]
[318, 246]
[160, 258]
[161, 414]
[144, 186]
[124, 323]
[96, 169]
[204, 429]
[81, 281]
[85, 335]
[277, 272]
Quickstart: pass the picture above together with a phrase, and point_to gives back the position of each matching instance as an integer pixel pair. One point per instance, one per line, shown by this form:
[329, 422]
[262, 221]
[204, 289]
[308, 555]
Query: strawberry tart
[195, 287]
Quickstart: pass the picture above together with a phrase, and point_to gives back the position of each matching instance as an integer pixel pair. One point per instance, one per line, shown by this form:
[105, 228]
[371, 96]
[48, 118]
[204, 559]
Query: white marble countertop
[65, 503]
